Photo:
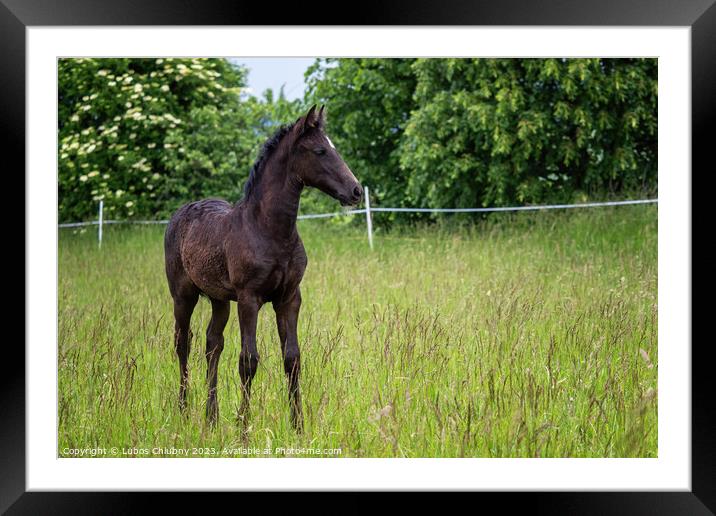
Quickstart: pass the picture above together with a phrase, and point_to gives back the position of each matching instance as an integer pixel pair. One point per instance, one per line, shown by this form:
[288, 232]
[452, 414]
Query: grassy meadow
[523, 335]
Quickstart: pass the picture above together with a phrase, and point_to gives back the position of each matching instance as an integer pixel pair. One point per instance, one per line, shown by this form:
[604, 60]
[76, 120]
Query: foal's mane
[266, 152]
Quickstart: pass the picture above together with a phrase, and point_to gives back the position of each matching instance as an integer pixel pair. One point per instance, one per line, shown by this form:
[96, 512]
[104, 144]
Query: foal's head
[317, 163]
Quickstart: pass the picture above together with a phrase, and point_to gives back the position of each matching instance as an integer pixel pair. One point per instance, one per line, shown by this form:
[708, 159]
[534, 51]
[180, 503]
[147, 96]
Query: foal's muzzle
[357, 195]
[352, 197]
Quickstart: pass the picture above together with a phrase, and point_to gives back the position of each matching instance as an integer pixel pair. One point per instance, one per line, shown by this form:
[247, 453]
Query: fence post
[99, 226]
[368, 220]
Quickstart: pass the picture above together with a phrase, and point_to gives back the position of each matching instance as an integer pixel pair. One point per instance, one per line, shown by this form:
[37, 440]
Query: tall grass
[526, 335]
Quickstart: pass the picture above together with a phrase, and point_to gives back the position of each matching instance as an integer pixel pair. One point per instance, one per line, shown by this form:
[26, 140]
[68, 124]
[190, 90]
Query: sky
[272, 72]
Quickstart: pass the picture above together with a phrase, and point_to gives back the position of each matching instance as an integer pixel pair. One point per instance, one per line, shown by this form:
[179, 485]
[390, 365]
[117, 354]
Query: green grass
[529, 335]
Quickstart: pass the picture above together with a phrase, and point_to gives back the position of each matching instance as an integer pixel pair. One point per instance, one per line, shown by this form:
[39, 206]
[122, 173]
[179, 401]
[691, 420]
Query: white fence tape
[517, 208]
[368, 210]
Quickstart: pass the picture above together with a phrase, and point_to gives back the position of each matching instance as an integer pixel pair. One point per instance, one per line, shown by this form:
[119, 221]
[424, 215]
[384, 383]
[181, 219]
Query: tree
[504, 131]
[115, 121]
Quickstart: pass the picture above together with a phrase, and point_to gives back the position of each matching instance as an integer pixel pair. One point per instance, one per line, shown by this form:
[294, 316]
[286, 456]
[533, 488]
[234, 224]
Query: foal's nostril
[357, 192]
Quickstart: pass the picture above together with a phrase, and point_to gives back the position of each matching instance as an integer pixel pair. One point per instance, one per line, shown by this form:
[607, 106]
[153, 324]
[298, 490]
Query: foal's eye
[320, 151]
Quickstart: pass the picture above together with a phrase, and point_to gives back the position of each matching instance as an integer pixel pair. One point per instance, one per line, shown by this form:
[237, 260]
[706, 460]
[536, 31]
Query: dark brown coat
[251, 253]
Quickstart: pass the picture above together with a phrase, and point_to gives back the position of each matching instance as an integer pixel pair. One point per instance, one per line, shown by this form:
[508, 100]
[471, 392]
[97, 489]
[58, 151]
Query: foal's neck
[274, 202]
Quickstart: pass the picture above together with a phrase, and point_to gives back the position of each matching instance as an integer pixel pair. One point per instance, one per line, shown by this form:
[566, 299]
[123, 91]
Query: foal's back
[194, 250]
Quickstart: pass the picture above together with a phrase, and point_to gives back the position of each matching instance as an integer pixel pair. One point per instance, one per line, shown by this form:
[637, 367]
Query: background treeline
[147, 135]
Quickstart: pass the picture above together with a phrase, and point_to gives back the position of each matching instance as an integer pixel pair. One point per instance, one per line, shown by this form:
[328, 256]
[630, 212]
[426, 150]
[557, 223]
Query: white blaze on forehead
[330, 143]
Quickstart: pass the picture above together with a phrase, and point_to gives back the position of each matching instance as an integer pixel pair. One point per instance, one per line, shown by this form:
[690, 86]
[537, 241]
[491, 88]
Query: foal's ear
[322, 116]
[307, 121]
[311, 118]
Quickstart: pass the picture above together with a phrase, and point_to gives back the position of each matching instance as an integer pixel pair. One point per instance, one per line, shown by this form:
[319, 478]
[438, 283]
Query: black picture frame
[17, 15]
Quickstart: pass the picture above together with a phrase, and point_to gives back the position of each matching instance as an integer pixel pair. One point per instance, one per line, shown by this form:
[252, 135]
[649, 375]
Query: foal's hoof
[297, 426]
[212, 412]
[242, 420]
[244, 428]
[211, 419]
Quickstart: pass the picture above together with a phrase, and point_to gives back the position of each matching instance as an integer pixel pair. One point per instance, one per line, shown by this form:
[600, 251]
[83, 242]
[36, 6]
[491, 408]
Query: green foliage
[503, 131]
[208, 155]
[115, 118]
[477, 132]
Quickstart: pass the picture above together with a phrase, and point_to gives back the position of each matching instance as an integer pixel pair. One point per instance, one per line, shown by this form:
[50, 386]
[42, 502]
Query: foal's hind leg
[214, 347]
[183, 308]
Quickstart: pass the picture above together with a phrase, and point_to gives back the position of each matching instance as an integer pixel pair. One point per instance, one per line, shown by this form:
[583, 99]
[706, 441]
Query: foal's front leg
[287, 323]
[248, 308]
[214, 346]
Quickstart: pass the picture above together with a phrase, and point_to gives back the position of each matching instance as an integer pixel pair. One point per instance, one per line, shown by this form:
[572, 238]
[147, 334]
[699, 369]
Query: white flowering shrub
[123, 128]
